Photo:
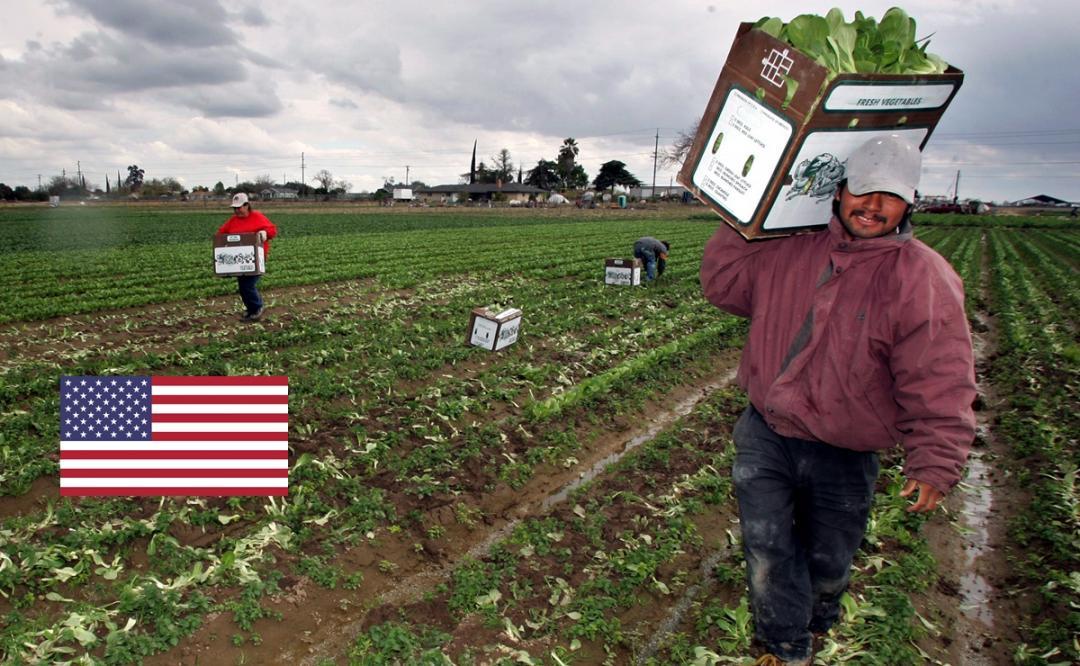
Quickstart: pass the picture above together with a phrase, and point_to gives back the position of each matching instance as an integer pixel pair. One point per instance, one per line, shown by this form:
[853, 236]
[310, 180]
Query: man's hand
[262, 235]
[928, 498]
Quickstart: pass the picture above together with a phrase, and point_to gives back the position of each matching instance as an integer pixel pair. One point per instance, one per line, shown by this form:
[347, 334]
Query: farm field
[566, 500]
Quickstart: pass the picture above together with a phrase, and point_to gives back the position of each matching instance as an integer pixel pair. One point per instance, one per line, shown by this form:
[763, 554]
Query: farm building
[1042, 200]
[279, 193]
[510, 192]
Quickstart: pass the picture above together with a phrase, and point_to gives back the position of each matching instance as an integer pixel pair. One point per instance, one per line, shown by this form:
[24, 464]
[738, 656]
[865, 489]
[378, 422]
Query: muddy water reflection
[974, 590]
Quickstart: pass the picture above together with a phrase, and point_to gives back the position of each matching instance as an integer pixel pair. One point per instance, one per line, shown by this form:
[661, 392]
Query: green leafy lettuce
[863, 46]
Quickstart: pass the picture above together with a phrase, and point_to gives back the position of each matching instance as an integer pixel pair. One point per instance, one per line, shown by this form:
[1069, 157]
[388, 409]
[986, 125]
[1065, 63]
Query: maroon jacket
[884, 354]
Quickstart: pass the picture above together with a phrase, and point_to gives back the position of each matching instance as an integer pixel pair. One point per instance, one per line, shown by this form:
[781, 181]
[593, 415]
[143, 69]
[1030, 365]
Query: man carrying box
[653, 253]
[858, 341]
[246, 220]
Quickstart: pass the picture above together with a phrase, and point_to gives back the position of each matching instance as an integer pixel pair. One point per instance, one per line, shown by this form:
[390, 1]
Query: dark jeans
[248, 293]
[653, 264]
[803, 507]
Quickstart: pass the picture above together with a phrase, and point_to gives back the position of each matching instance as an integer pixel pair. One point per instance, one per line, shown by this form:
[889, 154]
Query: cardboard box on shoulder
[769, 165]
[493, 331]
[238, 254]
[622, 271]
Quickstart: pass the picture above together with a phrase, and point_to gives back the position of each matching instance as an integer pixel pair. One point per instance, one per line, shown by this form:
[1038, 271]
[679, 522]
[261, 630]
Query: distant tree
[577, 179]
[6, 193]
[544, 175]
[567, 159]
[614, 173]
[135, 177]
[326, 179]
[263, 182]
[108, 190]
[219, 189]
[418, 185]
[680, 147]
[63, 186]
[341, 187]
[502, 166]
[24, 193]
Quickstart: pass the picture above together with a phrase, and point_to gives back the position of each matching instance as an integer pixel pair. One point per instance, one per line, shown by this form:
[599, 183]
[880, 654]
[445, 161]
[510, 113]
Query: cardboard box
[238, 254]
[493, 331]
[622, 271]
[768, 165]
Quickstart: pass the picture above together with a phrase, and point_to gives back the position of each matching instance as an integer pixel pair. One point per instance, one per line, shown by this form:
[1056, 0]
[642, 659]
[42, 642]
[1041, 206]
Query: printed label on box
[817, 171]
[508, 333]
[862, 96]
[236, 259]
[624, 276]
[483, 333]
[742, 154]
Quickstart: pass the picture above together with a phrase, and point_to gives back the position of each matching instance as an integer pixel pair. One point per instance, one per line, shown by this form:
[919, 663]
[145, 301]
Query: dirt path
[318, 623]
[972, 606]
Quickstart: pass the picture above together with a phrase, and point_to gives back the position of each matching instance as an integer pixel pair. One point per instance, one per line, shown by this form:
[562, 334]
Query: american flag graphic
[174, 436]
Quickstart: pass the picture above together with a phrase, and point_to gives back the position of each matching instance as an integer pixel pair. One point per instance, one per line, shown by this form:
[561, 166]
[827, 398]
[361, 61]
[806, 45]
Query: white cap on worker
[239, 199]
[885, 164]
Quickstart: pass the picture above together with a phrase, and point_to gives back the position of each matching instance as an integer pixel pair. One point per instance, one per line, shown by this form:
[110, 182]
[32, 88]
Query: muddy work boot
[255, 316]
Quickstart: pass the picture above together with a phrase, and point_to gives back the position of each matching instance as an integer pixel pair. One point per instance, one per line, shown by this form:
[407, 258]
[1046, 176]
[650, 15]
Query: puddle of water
[975, 591]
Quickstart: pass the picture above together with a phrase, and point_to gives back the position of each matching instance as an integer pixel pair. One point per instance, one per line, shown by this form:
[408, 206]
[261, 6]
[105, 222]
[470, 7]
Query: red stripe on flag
[220, 399]
[173, 473]
[158, 492]
[220, 436]
[221, 418]
[158, 454]
[220, 381]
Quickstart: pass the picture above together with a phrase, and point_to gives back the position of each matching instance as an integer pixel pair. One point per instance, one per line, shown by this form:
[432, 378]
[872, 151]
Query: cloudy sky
[206, 91]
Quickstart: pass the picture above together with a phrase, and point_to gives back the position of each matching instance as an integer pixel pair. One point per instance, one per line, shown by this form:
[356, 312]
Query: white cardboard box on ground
[238, 254]
[494, 331]
[622, 271]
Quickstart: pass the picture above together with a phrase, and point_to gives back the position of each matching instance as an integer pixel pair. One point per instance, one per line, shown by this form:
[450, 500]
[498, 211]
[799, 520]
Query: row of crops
[424, 522]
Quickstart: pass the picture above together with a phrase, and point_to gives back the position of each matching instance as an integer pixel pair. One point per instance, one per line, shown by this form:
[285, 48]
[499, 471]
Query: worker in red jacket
[858, 342]
[245, 220]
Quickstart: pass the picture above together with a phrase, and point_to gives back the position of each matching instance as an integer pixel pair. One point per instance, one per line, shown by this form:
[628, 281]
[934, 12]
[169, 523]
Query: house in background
[278, 193]
[516, 194]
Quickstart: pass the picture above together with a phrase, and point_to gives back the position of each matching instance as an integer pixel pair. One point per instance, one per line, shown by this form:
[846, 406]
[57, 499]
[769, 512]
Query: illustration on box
[819, 168]
[494, 331]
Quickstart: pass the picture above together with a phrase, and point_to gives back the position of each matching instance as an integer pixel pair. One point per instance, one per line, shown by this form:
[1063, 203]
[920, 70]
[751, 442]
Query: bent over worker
[653, 253]
[858, 341]
[246, 220]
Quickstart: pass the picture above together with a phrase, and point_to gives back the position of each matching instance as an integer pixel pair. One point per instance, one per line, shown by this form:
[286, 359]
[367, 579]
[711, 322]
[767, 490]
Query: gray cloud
[192, 23]
[343, 103]
[223, 103]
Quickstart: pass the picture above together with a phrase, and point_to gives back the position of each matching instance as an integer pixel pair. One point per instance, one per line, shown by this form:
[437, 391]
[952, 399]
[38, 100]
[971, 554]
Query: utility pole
[78, 167]
[956, 188]
[39, 182]
[656, 153]
[406, 175]
[302, 180]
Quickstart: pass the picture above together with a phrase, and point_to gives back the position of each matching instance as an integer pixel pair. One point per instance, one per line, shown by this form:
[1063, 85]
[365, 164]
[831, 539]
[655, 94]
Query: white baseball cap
[885, 164]
[239, 199]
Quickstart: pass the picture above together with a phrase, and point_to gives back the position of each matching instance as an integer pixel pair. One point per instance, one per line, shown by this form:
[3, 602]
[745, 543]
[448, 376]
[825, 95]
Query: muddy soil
[318, 623]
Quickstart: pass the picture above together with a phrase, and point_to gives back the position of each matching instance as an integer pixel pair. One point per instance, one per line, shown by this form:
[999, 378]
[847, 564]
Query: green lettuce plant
[863, 46]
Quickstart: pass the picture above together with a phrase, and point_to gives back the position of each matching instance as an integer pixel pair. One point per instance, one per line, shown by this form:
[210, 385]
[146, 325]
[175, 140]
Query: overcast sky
[206, 91]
